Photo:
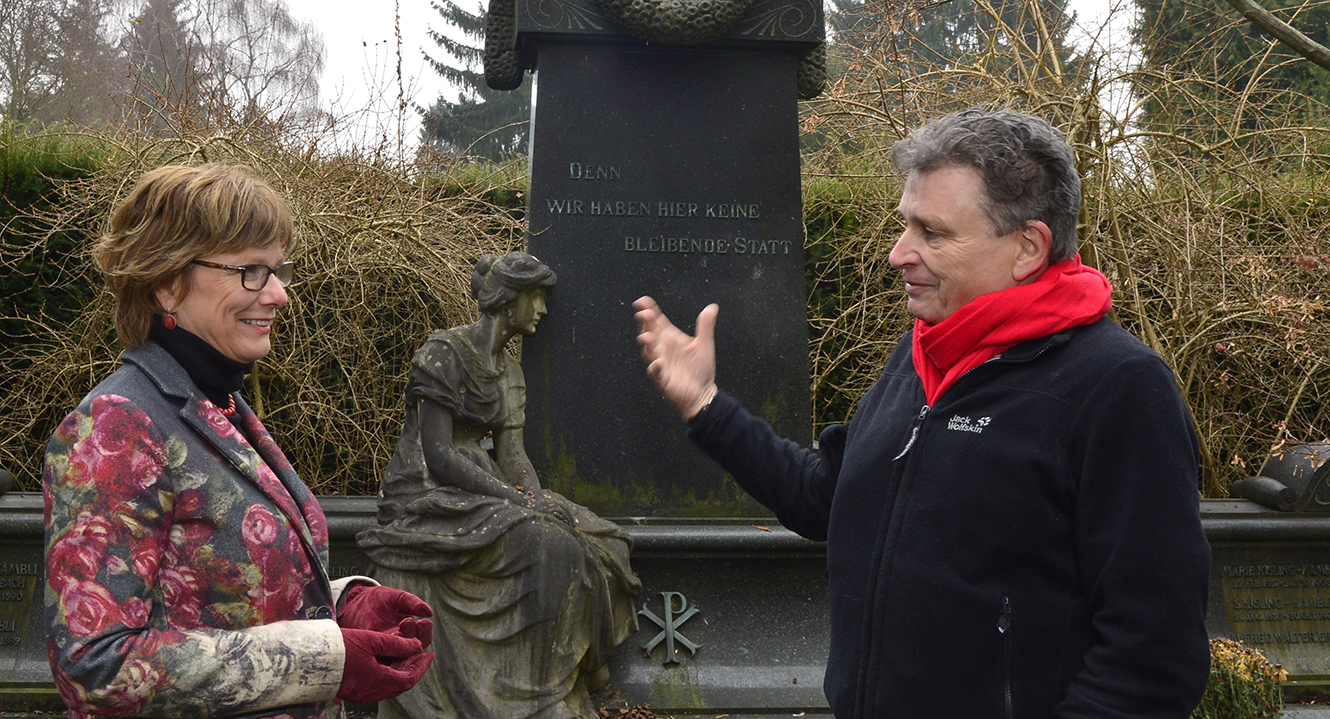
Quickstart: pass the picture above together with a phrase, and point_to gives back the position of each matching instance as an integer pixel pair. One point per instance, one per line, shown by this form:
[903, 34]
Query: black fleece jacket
[1029, 547]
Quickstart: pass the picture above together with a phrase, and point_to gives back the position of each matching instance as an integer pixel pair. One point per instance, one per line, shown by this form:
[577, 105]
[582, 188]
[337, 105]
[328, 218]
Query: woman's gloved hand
[380, 666]
[388, 610]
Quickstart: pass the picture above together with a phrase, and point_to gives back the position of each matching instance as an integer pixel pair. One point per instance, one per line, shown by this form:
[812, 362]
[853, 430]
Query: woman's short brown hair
[177, 214]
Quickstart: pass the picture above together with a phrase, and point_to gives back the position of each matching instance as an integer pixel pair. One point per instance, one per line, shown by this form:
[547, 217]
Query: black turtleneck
[213, 372]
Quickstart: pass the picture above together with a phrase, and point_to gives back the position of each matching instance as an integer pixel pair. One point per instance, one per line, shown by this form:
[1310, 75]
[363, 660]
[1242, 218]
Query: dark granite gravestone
[671, 172]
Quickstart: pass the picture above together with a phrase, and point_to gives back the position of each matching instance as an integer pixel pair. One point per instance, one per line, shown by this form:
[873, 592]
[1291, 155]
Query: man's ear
[1036, 241]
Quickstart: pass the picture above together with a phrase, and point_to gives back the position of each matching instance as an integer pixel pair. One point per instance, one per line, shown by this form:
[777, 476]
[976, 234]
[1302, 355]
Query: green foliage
[385, 250]
[482, 122]
[45, 283]
[1216, 239]
[1243, 685]
[855, 310]
[1218, 55]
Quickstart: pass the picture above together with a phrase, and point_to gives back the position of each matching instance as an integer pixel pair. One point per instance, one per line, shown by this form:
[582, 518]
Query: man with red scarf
[1011, 516]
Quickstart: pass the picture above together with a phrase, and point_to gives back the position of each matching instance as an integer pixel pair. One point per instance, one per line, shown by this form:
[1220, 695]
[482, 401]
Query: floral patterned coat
[186, 566]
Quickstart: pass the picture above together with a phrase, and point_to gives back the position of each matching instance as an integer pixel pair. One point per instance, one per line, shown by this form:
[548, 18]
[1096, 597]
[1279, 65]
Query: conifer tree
[482, 122]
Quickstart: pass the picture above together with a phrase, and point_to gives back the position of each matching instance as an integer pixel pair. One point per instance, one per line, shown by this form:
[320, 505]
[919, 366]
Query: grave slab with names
[673, 172]
[1270, 587]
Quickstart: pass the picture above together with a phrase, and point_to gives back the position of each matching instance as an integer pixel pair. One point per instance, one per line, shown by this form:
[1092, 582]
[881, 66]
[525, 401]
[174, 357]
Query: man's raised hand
[683, 367]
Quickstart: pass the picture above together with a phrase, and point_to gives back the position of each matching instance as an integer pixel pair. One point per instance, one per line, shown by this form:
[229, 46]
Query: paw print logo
[983, 421]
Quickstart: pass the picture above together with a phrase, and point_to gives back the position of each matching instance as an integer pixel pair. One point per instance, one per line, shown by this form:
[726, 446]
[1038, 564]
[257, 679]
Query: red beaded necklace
[229, 409]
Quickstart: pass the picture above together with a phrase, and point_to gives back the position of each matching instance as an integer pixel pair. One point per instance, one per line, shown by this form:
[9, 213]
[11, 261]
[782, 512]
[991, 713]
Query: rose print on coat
[161, 561]
[118, 446]
[81, 552]
[278, 555]
[89, 608]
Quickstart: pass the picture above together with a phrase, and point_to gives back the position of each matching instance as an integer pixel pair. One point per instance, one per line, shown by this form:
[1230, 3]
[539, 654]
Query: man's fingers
[706, 324]
[656, 370]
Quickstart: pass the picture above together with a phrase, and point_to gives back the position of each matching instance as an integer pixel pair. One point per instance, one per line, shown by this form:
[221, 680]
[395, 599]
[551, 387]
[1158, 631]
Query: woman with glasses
[186, 561]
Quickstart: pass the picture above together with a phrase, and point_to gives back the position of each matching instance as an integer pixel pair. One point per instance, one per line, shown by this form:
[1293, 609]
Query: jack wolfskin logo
[964, 424]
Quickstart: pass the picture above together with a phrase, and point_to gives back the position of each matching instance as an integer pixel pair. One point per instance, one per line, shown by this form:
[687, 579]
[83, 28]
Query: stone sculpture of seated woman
[531, 592]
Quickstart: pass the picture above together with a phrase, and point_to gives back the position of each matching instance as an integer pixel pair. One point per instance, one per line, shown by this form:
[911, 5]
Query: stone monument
[531, 592]
[664, 161]
[1275, 597]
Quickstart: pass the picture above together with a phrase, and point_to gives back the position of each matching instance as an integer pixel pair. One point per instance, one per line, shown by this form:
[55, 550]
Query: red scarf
[1066, 295]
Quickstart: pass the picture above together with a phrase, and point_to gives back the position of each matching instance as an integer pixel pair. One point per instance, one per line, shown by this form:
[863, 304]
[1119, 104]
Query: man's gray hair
[1028, 170]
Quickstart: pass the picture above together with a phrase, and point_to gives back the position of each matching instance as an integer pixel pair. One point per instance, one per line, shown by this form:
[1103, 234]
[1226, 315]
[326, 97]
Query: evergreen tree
[1217, 54]
[482, 122]
[933, 35]
[163, 60]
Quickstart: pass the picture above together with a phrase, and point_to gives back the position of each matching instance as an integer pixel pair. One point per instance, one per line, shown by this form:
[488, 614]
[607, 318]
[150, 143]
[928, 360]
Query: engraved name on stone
[1271, 604]
[18, 585]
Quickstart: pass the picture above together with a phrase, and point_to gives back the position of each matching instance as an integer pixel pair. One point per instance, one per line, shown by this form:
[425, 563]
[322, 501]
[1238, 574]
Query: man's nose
[902, 253]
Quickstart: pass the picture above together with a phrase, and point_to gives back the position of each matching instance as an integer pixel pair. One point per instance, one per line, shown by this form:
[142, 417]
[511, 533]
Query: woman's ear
[1036, 242]
[168, 296]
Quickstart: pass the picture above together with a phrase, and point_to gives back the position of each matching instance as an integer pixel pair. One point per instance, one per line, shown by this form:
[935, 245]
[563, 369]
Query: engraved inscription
[621, 209]
[1281, 608]
[682, 245]
[721, 246]
[20, 587]
[640, 208]
[676, 209]
[734, 212]
[761, 247]
[564, 207]
[578, 171]
[337, 572]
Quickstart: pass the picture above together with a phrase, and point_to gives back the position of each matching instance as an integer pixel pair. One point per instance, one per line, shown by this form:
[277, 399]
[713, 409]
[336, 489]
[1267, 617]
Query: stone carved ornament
[661, 22]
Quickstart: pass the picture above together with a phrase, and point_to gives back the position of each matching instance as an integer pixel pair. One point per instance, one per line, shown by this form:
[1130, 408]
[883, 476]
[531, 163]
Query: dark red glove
[384, 609]
[380, 666]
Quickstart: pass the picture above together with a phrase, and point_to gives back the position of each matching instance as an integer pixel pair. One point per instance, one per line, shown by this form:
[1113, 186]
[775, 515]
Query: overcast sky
[362, 51]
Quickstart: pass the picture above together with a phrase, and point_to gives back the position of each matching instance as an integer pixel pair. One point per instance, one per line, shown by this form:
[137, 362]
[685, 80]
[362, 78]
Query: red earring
[169, 322]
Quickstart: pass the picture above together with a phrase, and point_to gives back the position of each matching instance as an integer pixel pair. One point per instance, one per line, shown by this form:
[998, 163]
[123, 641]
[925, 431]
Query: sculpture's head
[515, 286]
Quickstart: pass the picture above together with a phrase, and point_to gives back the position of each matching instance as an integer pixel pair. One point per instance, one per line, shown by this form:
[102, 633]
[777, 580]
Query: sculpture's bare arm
[683, 367]
[448, 467]
[510, 447]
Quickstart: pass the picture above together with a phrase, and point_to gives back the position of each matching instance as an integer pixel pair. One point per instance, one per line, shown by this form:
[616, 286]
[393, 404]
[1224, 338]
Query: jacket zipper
[1004, 628]
[914, 434]
[891, 521]
[871, 608]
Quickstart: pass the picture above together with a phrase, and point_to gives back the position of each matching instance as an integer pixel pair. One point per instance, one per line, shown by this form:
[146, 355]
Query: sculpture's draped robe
[527, 609]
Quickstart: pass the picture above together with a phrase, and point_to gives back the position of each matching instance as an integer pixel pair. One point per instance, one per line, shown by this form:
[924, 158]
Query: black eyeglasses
[255, 277]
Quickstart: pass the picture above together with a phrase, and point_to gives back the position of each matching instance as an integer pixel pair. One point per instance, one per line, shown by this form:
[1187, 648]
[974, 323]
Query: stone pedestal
[760, 628]
[1270, 588]
[25, 674]
[671, 172]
